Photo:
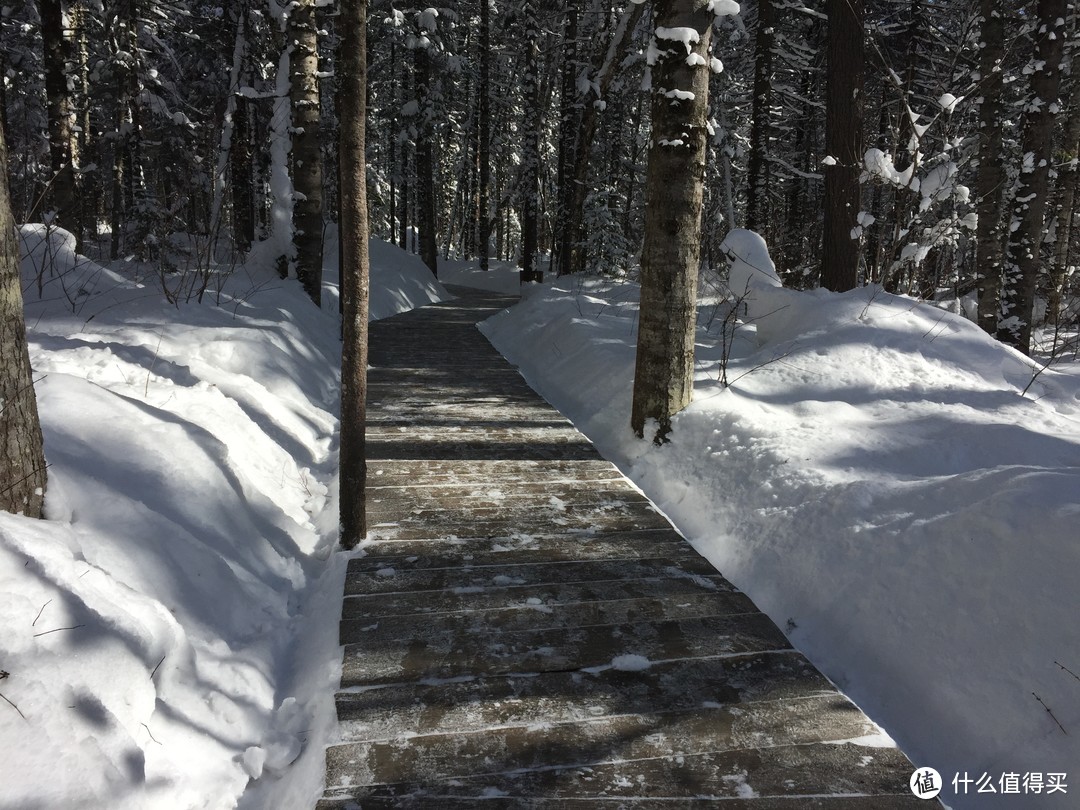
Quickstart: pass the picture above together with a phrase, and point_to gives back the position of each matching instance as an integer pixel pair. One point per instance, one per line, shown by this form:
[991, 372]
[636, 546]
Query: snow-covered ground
[872, 477]
[875, 481]
[170, 631]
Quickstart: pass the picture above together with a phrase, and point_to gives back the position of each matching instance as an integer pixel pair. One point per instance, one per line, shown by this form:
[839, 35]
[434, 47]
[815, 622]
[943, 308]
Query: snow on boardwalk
[527, 631]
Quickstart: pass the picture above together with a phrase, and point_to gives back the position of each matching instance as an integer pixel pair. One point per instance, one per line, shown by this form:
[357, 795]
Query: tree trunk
[590, 118]
[60, 109]
[1068, 175]
[843, 144]
[568, 130]
[989, 251]
[486, 215]
[352, 66]
[757, 175]
[1032, 188]
[425, 166]
[22, 457]
[307, 151]
[674, 192]
[530, 149]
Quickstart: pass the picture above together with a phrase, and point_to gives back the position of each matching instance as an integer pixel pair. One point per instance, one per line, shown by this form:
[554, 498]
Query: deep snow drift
[170, 632]
[875, 481]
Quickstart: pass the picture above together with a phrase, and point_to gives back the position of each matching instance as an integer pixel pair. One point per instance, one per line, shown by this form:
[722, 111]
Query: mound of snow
[879, 486]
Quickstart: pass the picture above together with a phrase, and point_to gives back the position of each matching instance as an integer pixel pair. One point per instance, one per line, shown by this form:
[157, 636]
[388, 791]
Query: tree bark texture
[22, 456]
[757, 175]
[425, 165]
[530, 152]
[1022, 263]
[60, 109]
[352, 112]
[486, 215]
[674, 193]
[1068, 175]
[843, 143]
[990, 238]
[307, 151]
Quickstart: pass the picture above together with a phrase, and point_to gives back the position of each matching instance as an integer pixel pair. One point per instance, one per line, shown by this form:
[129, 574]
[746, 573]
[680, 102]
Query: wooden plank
[431, 653]
[525, 630]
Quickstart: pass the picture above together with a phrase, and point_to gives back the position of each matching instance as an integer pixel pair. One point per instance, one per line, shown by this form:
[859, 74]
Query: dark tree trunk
[757, 175]
[530, 151]
[990, 241]
[352, 67]
[1068, 175]
[425, 168]
[568, 133]
[240, 171]
[1029, 209]
[22, 457]
[843, 143]
[485, 214]
[59, 60]
[674, 192]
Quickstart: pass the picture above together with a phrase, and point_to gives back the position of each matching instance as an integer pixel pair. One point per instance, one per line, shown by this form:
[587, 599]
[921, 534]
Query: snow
[723, 8]
[879, 486]
[684, 34]
[170, 630]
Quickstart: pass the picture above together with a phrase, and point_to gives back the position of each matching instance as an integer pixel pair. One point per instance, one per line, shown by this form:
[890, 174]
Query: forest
[844, 228]
[176, 132]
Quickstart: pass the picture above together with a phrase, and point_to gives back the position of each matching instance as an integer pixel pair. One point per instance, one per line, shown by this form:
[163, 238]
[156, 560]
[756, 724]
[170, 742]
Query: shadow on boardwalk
[527, 631]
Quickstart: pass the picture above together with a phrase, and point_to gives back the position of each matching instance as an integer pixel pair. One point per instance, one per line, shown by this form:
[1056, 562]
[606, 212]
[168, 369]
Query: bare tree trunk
[530, 150]
[674, 193]
[569, 114]
[22, 456]
[486, 215]
[425, 167]
[757, 174]
[352, 66]
[307, 151]
[1029, 210]
[843, 144]
[990, 242]
[59, 59]
[1068, 175]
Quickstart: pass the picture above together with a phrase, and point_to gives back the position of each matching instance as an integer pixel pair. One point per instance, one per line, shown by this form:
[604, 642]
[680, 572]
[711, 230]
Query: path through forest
[529, 631]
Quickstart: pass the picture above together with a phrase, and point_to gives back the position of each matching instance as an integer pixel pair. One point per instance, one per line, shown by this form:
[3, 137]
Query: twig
[1063, 731]
[149, 371]
[762, 365]
[3, 674]
[148, 732]
[12, 705]
[58, 629]
[159, 663]
[35, 621]
[1068, 670]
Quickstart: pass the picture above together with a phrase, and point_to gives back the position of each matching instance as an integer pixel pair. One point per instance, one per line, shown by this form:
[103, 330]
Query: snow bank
[880, 488]
[170, 631]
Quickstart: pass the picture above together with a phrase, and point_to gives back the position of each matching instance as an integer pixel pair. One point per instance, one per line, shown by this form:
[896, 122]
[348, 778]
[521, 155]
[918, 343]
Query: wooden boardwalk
[529, 632]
